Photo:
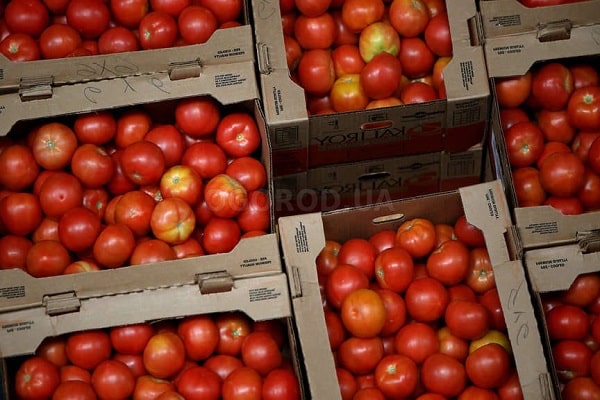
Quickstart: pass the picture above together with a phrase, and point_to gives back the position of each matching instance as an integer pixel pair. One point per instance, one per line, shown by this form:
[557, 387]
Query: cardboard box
[533, 37]
[225, 46]
[301, 142]
[554, 269]
[376, 181]
[303, 237]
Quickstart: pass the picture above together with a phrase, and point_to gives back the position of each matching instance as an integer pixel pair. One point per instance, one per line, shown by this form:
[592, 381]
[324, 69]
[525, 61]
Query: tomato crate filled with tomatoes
[566, 283]
[545, 119]
[422, 298]
[52, 43]
[170, 343]
[349, 81]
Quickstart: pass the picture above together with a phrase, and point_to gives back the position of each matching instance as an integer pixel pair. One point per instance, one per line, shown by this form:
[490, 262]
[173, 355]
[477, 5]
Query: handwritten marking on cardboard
[93, 93]
[265, 9]
[95, 69]
[515, 314]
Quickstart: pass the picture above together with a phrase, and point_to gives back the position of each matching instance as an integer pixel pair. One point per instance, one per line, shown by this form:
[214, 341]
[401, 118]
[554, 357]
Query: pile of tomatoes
[544, 3]
[573, 325]
[134, 186]
[415, 313]
[551, 122]
[44, 29]
[360, 54]
[213, 356]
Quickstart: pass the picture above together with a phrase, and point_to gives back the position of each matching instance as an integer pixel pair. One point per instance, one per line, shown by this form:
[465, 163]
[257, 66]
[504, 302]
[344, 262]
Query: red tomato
[224, 10]
[452, 345]
[225, 196]
[261, 352]
[151, 251]
[581, 388]
[491, 300]
[173, 8]
[512, 91]
[248, 171]
[281, 384]
[551, 148]
[53, 145]
[255, 216]
[467, 319]
[172, 220]
[567, 322]
[315, 32]
[524, 143]
[480, 274]
[315, 72]
[78, 228]
[59, 40]
[378, 37]
[363, 313]
[89, 17]
[416, 58]
[293, 52]
[359, 253]
[566, 205]
[437, 35]
[183, 182]
[556, 126]
[206, 158]
[380, 77]
[164, 354]
[336, 332]
[148, 387]
[47, 258]
[489, 366]
[589, 193]
[394, 269]
[72, 390]
[129, 13]
[223, 364]
[582, 142]
[571, 359]
[397, 376]
[132, 126]
[584, 75]
[511, 388]
[409, 18]
[584, 108]
[59, 193]
[552, 85]
[134, 209]
[19, 167]
[170, 141]
[113, 380]
[358, 14]
[87, 349]
[232, 329]
[343, 35]
[426, 299]
[143, 162]
[416, 92]
[312, 8]
[583, 291]
[417, 341]
[131, 339]
[347, 383]
[26, 16]
[443, 374]
[20, 213]
[157, 30]
[528, 188]
[53, 350]
[511, 116]
[449, 263]
[220, 235]
[20, 47]
[244, 383]
[36, 378]
[200, 336]
[342, 280]
[468, 233]
[135, 363]
[92, 165]
[196, 24]
[114, 245]
[417, 236]
[13, 251]
[347, 94]
[562, 174]
[360, 355]
[71, 372]
[238, 135]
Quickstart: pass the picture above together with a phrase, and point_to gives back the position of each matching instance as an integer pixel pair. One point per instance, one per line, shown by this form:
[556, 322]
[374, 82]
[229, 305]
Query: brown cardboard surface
[303, 237]
[225, 46]
[454, 125]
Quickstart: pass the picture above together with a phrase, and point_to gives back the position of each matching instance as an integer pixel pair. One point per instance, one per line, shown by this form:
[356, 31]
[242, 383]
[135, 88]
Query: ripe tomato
[53, 350]
[358, 14]
[13, 251]
[426, 299]
[233, 327]
[181, 181]
[409, 18]
[315, 72]
[443, 374]
[20, 47]
[220, 235]
[200, 336]
[467, 319]
[26, 16]
[129, 13]
[552, 85]
[114, 245]
[363, 313]
[196, 24]
[416, 92]
[489, 366]
[583, 291]
[132, 126]
[315, 32]
[511, 116]
[248, 171]
[53, 145]
[157, 30]
[416, 58]
[480, 274]
[562, 174]
[417, 341]
[528, 188]
[87, 349]
[59, 40]
[134, 209]
[151, 251]
[512, 91]
[468, 233]
[524, 143]
[143, 162]
[567, 322]
[238, 135]
[556, 126]
[261, 352]
[589, 194]
[224, 10]
[256, 215]
[225, 196]
[92, 165]
[164, 354]
[78, 228]
[584, 108]
[380, 77]
[581, 388]
[571, 359]
[170, 141]
[59, 193]
[584, 75]
[47, 258]
[19, 167]
[394, 269]
[89, 17]
[206, 158]
[566, 205]
[437, 35]
[449, 263]
[551, 148]
[20, 213]
[131, 339]
[342, 280]
[148, 387]
[417, 236]
[281, 383]
[360, 355]
[36, 378]
[452, 345]
[359, 253]
[397, 376]
[293, 52]
[347, 383]
[491, 300]
[71, 390]
[199, 382]
[172, 220]
[511, 388]
[244, 383]
[112, 379]
[348, 94]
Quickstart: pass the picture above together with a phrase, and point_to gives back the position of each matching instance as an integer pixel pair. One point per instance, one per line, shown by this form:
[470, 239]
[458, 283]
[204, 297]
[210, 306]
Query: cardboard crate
[484, 204]
[523, 38]
[366, 182]
[41, 77]
[553, 269]
[301, 142]
[260, 298]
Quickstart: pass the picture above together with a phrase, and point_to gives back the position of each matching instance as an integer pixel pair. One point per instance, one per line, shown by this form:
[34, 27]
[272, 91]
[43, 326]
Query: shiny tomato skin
[416, 58]
[417, 341]
[53, 145]
[225, 196]
[363, 313]
[20, 213]
[567, 322]
[261, 352]
[89, 17]
[220, 235]
[417, 236]
[360, 355]
[581, 388]
[443, 374]
[78, 228]
[491, 300]
[281, 383]
[181, 181]
[467, 319]
[196, 24]
[426, 299]
[60, 192]
[151, 251]
[200, 336]
[36, 378]
[20, 47]
[170, 141]
[315, 32]
[562, 174]
[525, 143]
[357, 14]
[552, 85]
[394, 269]
[114, 245]
[13, 251]
[47, 258]
[256, 215]
[164, 354]
[584, 108]
[244, 384]
[416, 92]
[489, 366]
[380, 77]
[59, 40]
[342, 280]
[143, 162]
[468, 233]
[480, 274]
[157, 30]
[315, 72]
[437, 35]
[449, 263]
[347, 94]
[131, 339]
[71, 390]
[583, 291]
[513, 91]
[88, 349]
[409, 18]
[571, 358]
[112, 379]
[528, 188]
[172, 220]
[92, 165]
[359, 253]
[248, 171]
[134, 209]
[26, 16]
[396, 376]
[238, 135]
[207, 158]
[19, 167]
[198, 117]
